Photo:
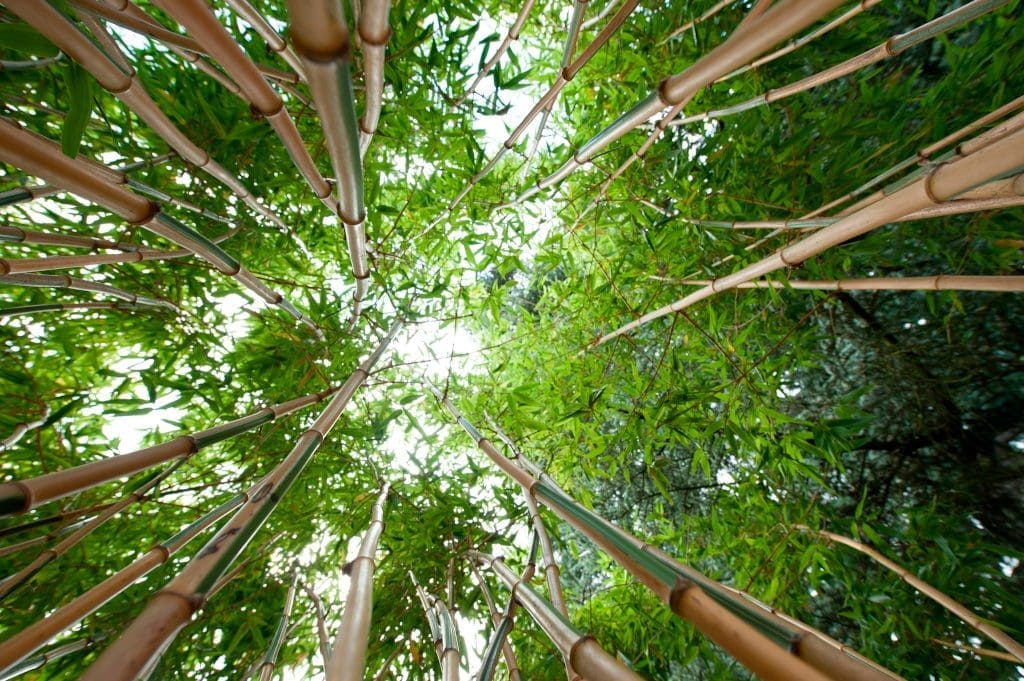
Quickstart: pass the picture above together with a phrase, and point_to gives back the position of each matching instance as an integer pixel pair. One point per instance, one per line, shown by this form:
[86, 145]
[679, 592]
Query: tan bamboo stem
[892, 47]
[321, 622]
[36, 635]
[746, 43]
[47, 556]
[9, 233]
[708, 14]
[506, 648]
[597, 18]
[961, 611]
[41, 157]
[76, 284]
[36, 541]
[585, 654]
[197, 17]
[861, 6]
[510, 37]
[269, 664]
[812, 656]
[348, 658]
[21, 496]
[173, 606]
[62, 307]
[24, 427]
[276, 43]
[572, 36]
[940, 184]
[125, 85]
[981, 652]
[50, 655]
[321, 38]
[106, 41]
[564, 77]
[939, 282]
[373, 35]
[60, 262]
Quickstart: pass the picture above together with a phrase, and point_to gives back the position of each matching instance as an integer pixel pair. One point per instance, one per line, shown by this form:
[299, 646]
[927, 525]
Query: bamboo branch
[172, 607]
[961, 611]
[321, 622]
[700, 19]
[21, 428]
[940, 282]
[496, 619]
[348, 658]
[974, 650]
[276, 43]
[52, 519]
[266, 668]
[37, 662]
[61, 307]
[510, 37]
[22, 496]
[36, 635]
[75, 284]
[60, 262]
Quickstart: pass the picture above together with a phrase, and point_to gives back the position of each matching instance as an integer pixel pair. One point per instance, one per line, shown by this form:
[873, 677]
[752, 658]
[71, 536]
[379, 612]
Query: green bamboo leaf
[79, 85]
[24, 38]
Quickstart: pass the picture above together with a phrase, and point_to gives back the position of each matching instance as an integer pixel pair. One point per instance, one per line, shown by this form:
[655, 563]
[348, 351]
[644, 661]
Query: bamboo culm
[269, 663]
[174, 605]
[940, 282]
[496, 618]
[76, 284]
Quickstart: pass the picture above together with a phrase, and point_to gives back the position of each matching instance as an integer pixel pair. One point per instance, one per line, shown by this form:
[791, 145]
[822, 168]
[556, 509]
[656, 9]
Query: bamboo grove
[592, 340]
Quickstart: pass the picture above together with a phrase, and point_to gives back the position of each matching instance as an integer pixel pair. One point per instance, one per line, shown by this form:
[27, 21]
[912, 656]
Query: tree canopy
[563, 284]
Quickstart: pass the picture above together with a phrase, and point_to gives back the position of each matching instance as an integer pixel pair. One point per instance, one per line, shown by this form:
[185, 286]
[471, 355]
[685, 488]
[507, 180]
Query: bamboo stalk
[510, 37]
[746, 43]
[708, 14]
[36, 541]
[47, 556]
[75, 284]
[52, 519]
[11, 234]
[980, 652]
[321, 622]
[21, 428]
[940, 184]
[348, 658]
[961, 611]
[173, 606]
[61, 307]
[760, 640]
[373, 35]
[29, 64]
[125, 85]
[584, 652]
[39, 661]
[321, 38]
[596, 19]
[266, 668]
[496, 619]
[36, 635]
[21, 496]
[60, 262]
[892, 47]
[276, 43]
[41, 157]
[939, 282]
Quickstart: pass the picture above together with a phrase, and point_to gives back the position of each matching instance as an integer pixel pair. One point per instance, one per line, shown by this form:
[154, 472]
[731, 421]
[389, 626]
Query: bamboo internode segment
[963, 612]
[76, 284]
[892, 47]
[497, 619]
[23, 495]
[276, 43]
[173, 606]
[12, 234]
[36, 635]
[585, 654]
[373, 36]
[41, 157]
[939, 282]
[348, 658]
[63, 307]
[124, 84]
[37, 662]
[1002, 156]
[761, 640]
[21, 428]
[266, 669]
[60, 262]
[747, 42]
[321, 622]
[510, 37]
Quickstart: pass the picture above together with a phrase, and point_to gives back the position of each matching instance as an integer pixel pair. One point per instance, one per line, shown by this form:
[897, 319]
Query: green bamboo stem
[961, 611]
[321, 622]
[63, 281]
[39, 661]
[47, 556]
[747, 42]
[200, 21]
[269, 663]
[584, 652]
[1004, 155]
[447, 642]
[174, 605]
[373, 35]
[126, 86]
[60, 262]
[348, 658]
[22, 496]
[36, 635]
[510, 37]
[21, 194]
[19, 310]
[892, 47]
[24, 427]
[846, 16]
[760, 640]
[64, 516]
[700, 19]
[597, 18]
[43, 158]
[563, 79]
[939, 282]
[274, 41]
[321, 37]
[496, 620]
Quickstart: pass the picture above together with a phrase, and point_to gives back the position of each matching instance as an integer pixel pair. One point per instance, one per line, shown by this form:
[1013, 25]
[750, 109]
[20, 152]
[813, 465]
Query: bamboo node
[154, 209]
[374, 41]
[887, 46]
[677, 593]
[927, 184]
[192, 601]
[567, 75]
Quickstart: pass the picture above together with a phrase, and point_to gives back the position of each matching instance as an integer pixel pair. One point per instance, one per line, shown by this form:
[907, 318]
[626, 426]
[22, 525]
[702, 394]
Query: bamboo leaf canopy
[728, 296]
